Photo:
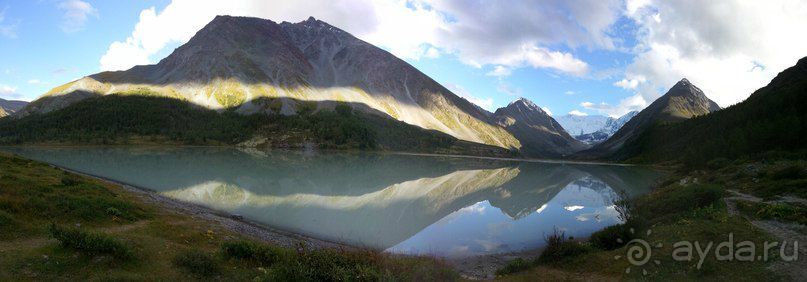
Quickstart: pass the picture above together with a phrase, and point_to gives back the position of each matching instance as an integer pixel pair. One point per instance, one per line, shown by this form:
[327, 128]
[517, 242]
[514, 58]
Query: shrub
[327, 265]
[197, 263]
[514, 266]
[559, 248]
[263, 254]
[70, 180]
[673, 201]
[613, 237]
[90, 243]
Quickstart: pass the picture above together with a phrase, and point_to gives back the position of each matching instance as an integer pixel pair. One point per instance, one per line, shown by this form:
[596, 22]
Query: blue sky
[595, 57]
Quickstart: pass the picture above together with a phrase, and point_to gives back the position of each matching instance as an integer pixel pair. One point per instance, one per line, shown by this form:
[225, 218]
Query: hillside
[146, 119]
[539, 133]
[771, 119]
[252, 65]
[683, 101]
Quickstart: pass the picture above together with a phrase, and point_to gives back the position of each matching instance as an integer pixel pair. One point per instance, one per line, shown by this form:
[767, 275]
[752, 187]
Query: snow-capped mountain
[579, 125]
[595, 128]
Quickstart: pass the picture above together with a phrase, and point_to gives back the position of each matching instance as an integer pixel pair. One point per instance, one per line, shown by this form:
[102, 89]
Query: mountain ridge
[223, 68]
[770, 119]
[540, 133]
[684, 100]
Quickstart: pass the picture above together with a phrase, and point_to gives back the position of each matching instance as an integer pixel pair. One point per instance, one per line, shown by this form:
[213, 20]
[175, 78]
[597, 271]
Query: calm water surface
[451, 207]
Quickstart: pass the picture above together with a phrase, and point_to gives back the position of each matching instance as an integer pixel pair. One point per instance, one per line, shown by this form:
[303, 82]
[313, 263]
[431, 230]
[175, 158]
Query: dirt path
[784, 232]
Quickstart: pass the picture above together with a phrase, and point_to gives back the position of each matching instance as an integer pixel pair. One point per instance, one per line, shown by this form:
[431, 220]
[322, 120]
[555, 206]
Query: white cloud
[432, 53]
[726, 48]
[76, 13]
[630, 83]
[632, 103]
[9, 92]
[546, 110]
[34, 81]
[577, 113]
[500, 71]
[569, 92]
[485, 103]
[478, 33]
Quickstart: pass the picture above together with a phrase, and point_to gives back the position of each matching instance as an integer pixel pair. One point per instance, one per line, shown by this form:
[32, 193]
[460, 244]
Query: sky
[583, 57]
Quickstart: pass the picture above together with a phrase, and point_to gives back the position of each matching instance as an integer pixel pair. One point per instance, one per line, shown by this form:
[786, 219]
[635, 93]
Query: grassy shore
[696, 206]
[56, 225]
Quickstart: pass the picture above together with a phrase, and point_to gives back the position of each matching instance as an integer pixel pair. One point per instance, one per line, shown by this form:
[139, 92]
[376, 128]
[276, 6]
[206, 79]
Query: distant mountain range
[8, 107]
[256, 66]
[683, 101]
[593, 129]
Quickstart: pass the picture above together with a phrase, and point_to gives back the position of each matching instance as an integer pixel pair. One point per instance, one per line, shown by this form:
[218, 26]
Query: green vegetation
[780, 212]
[90, 243]
[198, 263]
[145, 118]
[559, 248]
[674, 212]
[129, 119]
[60, 226]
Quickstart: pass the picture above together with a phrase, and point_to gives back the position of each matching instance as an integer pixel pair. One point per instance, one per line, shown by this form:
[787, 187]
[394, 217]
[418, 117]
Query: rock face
[258, 66]
[540, 134]
[8, 107]
[683, 101]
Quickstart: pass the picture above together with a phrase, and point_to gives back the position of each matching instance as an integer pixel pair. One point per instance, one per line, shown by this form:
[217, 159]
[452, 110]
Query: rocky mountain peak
[525, 104]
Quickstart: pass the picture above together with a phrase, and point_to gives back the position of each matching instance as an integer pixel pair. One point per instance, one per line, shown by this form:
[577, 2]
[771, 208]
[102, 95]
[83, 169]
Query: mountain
[593, 129]
[539, 133]
[579, 125]
[773, 118]
[8, 107]
[611, 126]
[252, 65]
[683, 101]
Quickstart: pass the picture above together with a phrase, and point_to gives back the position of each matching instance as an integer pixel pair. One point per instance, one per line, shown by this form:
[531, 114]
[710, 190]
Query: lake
[443, 206]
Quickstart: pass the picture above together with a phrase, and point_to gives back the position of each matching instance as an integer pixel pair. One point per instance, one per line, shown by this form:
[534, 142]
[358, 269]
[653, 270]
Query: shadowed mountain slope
[773, 118]
[539, 133]
[683, 101]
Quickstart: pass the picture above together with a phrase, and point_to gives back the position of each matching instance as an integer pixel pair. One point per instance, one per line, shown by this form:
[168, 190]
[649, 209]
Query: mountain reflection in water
[454, 207]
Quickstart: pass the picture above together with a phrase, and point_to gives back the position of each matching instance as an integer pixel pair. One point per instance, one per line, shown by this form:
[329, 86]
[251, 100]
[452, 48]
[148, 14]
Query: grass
[90, 243]
[198, 263]
[68, 227]
[780, 211]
